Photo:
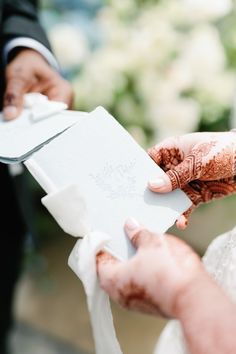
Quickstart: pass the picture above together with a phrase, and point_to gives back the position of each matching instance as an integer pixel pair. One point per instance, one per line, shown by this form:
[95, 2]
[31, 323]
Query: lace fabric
[220, 262]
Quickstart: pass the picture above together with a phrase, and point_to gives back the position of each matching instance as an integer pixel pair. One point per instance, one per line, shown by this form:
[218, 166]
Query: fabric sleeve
[20, 19]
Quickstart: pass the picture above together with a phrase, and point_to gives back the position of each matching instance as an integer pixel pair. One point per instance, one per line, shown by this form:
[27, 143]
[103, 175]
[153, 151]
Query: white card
[112, 172]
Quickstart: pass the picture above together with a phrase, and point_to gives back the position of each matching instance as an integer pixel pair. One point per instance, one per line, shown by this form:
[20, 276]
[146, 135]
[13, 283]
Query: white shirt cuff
[32, 44]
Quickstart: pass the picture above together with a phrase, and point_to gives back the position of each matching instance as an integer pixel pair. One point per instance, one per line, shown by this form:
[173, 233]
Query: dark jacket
[18, 18]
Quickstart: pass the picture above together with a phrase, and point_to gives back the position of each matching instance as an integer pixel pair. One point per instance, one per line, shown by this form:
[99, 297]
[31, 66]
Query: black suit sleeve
[20, 19]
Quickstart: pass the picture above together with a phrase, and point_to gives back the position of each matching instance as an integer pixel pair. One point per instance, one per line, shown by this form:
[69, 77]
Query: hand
[202, 164]
[163, 268]
[29, 72]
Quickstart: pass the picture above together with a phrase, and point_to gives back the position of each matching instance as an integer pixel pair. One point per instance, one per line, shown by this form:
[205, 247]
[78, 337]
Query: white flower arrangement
[162, 67]
[69, 45]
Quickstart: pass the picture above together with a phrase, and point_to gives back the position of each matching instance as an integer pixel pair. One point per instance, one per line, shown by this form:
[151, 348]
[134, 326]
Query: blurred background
[161, 68]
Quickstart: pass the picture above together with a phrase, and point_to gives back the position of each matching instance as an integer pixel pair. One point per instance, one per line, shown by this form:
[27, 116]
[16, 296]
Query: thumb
[14, 97]
[177, 177]
[182, 221]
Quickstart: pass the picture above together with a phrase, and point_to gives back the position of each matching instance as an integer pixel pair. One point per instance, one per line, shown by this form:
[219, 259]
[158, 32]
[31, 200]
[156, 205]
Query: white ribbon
[82, 261]
[65, 205]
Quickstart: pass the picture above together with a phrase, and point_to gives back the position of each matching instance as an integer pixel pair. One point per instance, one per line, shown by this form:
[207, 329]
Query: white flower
[69, 45]
[207, 9]
[152, 40]
[101, 78]
[128, 110]
[175, 117]
[122, 7]
[152, 57]
[148, 83]
[179, 75]
[204, 53]
[108, 20]
[219, 89]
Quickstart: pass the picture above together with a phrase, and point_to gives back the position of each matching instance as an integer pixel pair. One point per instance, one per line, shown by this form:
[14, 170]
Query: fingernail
[10, 112]
[131, 224]
[157, 183]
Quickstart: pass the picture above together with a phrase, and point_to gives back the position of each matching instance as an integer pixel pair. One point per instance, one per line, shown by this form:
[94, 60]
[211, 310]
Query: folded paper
[41, 107]
[68, 208]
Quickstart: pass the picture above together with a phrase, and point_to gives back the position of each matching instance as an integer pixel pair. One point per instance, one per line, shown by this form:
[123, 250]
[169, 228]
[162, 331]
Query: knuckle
[155, 153]
[10, 98]
[108, 281]
[174, 178]
[137, 236]
[10, 67]
[17, 83]
[141, 236]
[142, 233]
[14, 70]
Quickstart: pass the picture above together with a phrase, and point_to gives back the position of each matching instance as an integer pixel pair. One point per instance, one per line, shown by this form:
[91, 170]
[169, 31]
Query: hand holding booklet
[111, 171]
[93, 152]
[95, 176]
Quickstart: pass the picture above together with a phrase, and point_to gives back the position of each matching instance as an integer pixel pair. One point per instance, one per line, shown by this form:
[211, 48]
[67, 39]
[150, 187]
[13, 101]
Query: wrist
[205, 308]
[22, 51]
[194, 295]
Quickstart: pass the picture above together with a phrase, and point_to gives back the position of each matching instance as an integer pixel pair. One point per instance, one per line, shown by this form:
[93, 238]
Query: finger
[179, 176]
[184, 173]
[194, 195]
[218, 189]
[155, 154]
[188, 213]
[203, 192]
[138, 235]
[51, 84]
[56, 89]
[160, 184]
[14, 97]
[182, 222]
[167, 153]
[104, 257]
[193, 191]
[62, 93]
[109, 270]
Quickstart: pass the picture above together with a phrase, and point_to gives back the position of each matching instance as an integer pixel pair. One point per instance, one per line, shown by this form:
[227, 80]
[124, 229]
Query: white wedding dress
[220, 262]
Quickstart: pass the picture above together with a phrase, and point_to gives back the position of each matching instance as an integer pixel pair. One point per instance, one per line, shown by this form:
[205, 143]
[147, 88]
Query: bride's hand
[202, 164]
[163, 268]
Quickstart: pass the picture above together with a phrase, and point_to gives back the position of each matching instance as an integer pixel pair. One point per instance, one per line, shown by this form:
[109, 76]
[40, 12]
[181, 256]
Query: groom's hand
[202, 164]
[29, 72]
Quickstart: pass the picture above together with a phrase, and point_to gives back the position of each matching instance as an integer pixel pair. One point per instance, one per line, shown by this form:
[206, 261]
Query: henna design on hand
[204, 166]
[206, 191]
[136, 297]
[153, 280]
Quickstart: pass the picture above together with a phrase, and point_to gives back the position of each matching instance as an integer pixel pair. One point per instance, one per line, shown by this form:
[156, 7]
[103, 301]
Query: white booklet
[111, 171]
